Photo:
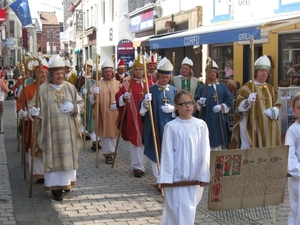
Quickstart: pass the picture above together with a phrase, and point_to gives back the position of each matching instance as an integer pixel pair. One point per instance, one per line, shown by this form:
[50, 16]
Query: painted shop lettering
[244, 36]
[191, 40]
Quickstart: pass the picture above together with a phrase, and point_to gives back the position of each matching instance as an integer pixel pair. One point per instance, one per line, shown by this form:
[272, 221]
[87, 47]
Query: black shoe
[40, 181]
[94, 147]
[57, 195]
[58, 198]
[138, 173]
[108, 160]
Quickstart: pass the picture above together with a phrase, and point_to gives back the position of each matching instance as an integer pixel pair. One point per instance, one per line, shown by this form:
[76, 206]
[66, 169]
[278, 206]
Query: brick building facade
[49, 40]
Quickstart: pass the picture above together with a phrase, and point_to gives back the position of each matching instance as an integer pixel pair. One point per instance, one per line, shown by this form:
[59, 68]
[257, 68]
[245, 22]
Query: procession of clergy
[126, 104]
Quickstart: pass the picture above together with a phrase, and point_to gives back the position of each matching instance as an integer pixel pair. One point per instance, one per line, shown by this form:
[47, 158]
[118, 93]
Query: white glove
[148, 98]
[19, 90]
[217, 108]
[67, 107]
[84, 91]
[23, 114]
[252, 98]
[127, 95]
[272, 113]
[201, 101]
[167, 108]
[96, 90]
[92, 99]
[113, 106]
[34, 111]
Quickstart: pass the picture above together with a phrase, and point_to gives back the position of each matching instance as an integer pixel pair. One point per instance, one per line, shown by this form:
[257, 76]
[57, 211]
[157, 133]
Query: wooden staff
[121, 123]
[114, 64]
[34, 136]
[85, 111]
[208, 65]
[252, 75]
[85, 69]
[23, 122]
[178, 184]
[173, 62]
[18, 132]
[97, 111]
[253, 110]
[152, 124]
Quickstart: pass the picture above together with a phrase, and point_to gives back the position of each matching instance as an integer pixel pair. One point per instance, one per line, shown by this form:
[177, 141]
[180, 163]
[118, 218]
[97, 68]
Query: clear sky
[46, 6]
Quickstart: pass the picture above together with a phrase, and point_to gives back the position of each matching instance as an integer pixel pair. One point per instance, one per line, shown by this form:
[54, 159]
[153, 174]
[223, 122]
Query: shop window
[289, 59]
[223, 56]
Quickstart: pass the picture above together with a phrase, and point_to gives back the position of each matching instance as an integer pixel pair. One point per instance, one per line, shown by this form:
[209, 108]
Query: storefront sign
[264, 38]
[142, 22]
[79, 20]
[125, 51]
[205, 37]
[2, 16]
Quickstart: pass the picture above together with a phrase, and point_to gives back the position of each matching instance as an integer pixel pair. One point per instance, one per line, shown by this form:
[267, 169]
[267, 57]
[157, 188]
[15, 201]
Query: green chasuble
[90, 123]
[190, 84]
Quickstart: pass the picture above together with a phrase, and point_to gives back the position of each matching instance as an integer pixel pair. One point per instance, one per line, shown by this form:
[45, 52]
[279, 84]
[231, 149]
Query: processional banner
[247, 178]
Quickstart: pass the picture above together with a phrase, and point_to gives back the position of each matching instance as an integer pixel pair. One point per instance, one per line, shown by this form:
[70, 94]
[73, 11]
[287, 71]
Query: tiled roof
[48, 18]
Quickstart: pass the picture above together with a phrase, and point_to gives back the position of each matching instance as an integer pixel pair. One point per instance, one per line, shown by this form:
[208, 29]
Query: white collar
[56, 87]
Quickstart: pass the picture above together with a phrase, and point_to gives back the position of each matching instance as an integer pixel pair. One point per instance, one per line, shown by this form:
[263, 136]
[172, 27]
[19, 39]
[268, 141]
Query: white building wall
[115, 24]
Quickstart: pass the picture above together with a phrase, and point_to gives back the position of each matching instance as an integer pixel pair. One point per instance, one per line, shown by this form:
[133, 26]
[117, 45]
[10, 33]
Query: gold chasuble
[266, 130]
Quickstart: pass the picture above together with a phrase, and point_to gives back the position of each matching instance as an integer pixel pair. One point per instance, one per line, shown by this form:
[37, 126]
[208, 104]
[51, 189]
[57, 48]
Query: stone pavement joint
[102, 195]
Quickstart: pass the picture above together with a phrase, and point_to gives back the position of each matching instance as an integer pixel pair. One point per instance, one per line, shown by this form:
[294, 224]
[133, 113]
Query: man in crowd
[186, 80]
[58, 128]
[266, 111]
[69, 75]
[90, 123]
[85, 74]
[106, 90]
[151, 64]
[25, 97]
[121, 71]
[161, 97]
[214, 102]
[132, 91]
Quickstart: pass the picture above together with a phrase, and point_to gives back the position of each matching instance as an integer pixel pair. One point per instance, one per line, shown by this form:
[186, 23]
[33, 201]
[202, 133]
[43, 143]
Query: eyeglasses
[186, 104]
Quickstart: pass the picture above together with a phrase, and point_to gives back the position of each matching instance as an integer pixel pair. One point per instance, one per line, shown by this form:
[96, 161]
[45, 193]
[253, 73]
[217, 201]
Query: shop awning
[137, 41]
[208, 35]
[77, 50]
[217, 34]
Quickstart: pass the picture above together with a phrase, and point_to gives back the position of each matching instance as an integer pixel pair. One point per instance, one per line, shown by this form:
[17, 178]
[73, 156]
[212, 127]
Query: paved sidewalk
[102, 195]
